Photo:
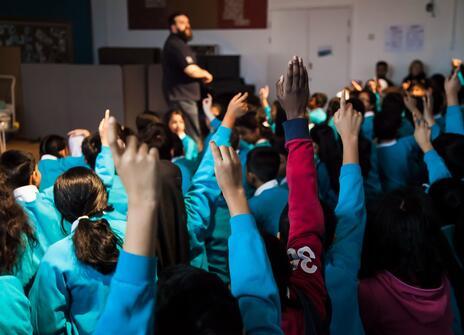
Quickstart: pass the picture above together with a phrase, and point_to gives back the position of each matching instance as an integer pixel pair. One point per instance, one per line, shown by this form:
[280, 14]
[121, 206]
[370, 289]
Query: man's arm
[196, 72]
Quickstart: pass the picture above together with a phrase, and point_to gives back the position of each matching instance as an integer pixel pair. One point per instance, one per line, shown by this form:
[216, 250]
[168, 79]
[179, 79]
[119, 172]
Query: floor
[25, 145]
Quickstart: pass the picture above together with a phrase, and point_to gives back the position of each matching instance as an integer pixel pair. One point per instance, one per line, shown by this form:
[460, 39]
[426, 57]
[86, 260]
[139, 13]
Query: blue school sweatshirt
[130, 306]
[51, 169]
[199, 200]
[267, 207]
[252, 282]
[454, 120]
[326, 192]
[398, 161]
[15, 317]
[190, 148]
[187, 170]
[343, 259]
[440, 120]
[436, 167]
[406, 128]
[367, 126]
[68, 296]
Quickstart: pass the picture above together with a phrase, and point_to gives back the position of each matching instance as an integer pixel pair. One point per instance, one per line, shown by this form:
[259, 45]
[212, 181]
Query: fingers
[116, 149]
[289, 79]
[305, 78]
[216, 152]
[343, 101]
[242, 98]
[225, 154]
[154, 154]
[131, 146]
[280, 87]
[295, 73]
[107, 115]
[300, 73]
[142, 152]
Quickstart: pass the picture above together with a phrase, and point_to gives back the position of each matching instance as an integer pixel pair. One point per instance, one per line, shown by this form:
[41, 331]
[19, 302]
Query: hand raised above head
[347, 120]
[238, 105]
[293, 89]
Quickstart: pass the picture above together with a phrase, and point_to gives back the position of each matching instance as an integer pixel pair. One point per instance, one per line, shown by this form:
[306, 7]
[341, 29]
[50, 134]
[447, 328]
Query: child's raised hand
[452, 87]
[138, 168]
[207, 102]
[264, 92]
[347, 120]
[79, 132]
[293, 89]
[422, 134]
[238, 105]
[228, 172]
[427, 100]
[102, 128]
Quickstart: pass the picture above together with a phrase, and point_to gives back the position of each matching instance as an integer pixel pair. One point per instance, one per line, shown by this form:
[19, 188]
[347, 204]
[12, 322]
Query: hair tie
[76, 222]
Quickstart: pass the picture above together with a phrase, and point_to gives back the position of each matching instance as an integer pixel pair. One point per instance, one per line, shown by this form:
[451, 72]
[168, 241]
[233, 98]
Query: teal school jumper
[68, 296]
[15, 317]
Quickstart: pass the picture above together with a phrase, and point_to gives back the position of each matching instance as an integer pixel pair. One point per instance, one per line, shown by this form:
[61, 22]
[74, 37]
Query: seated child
[174, 119]
[316, 104]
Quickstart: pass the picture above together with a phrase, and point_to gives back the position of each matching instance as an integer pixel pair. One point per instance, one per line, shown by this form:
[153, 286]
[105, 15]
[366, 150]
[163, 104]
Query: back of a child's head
[451, 148]
[53, 145]
[371, 98]
[156, 135]
[448, 199]
[17, 168]
[387, 125]
[264, 163]
[357, 105]
[193, 301]
[91, 147]
[248, 121]
[320, 99]
[146, 118]
[402, 237]
[80, 192]
[333, 106]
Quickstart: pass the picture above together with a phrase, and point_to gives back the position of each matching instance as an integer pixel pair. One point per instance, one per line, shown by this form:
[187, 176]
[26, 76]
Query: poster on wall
[415, 37]
[204, 14]
[40, 42]
[394, 38]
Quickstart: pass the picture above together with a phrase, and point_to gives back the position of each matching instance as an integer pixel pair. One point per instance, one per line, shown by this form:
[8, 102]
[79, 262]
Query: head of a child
[193, 301]
[279, 117]
[91, 147]
[248, 128]
[262, 166]
[403, 238]
[416, 68]
[19, 168]
[155, 134]
[369, 100]
[451, 148]
[381, 69]
[175, 121]
[54, 145]
[317, 100]
[80, 192]
[333, 106]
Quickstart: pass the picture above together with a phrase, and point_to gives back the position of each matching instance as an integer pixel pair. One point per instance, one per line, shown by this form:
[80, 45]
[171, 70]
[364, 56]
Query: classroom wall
[76, 12]
[370, 18]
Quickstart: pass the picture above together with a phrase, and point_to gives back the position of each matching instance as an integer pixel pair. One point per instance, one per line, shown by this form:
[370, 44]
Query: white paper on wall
[415, 37]
[394, 38]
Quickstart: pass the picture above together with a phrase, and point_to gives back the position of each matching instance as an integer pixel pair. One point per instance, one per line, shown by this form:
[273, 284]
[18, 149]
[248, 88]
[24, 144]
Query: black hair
[193, 301]
[177, 147]
[381, 63]
[145, 119]
[80, 192]
[402, 237]
[234, 139]
[17, 168]
[329, 152]
[167, 116]
[451, 148]
[437, 82]
[264, 163]
[448, 198]
[248, 121]
[387, 125]
[372, 99]
[321, 99]
[52, 145]
[91, 147]
[172, 17]
[357, 105]
[156, 135]
[333, 107]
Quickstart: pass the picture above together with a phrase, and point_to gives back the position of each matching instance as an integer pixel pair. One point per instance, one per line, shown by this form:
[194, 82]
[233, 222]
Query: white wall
[369, 17]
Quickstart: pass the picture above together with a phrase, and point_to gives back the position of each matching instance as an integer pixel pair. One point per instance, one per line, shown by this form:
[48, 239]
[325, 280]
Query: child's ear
[36, 177]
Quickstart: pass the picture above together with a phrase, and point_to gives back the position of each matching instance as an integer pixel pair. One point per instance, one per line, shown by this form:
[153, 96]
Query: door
[321, 36]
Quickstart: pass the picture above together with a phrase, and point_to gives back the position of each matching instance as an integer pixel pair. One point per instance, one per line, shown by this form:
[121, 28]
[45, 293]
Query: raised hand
[452, 87]
[207, 103]
[102, 128]
[137, 167]
[422, 134]
[237, 107]
[348, 123]
[228, 172]
[293, 89]
[427, 100]
[411, 104]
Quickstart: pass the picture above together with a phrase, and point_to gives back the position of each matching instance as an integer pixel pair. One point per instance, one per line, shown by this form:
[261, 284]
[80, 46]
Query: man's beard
[185, 36]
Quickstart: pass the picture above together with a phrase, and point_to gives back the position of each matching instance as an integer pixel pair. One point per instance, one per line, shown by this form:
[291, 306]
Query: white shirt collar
[368, 114]
[266, 186]
[283, 181]
[261, 140]
[437, 116]
[182, 136]
[26, 193]
[175, 159]
[386, 144]
[48, 157]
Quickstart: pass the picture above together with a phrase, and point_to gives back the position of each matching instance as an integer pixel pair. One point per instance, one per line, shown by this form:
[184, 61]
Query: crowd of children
[289, 218]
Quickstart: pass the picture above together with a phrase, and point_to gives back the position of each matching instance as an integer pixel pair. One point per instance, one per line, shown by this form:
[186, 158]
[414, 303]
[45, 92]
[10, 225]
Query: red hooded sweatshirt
[390, 306]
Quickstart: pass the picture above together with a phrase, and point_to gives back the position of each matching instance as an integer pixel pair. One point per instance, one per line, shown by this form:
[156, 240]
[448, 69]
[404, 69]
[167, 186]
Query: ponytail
[96, 244]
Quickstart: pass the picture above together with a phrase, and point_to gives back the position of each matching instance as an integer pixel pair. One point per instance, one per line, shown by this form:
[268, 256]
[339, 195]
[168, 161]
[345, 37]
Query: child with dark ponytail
[72, 283]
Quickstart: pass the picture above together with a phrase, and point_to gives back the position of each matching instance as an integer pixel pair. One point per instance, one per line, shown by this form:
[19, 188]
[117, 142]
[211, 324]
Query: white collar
[369, 114]
[182, 136]
[261, 140]
[48, 157]
[76, 222]
[175, 159]
[26, 193]
[437, 116]
[266, 186]
[283, 181]
[386, 144]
